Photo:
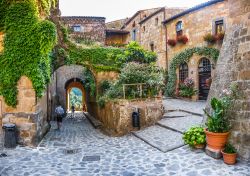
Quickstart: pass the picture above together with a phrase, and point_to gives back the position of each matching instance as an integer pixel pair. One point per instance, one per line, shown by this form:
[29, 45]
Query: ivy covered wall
[27, 43]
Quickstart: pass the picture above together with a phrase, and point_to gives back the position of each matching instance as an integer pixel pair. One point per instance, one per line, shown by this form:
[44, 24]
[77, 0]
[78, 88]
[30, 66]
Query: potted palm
[195, 137]
[217, 130]
[229, 154]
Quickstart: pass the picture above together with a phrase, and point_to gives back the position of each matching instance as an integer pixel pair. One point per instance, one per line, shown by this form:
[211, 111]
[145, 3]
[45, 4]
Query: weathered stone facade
[86, 28]
[196, 23]
[153, 33]
[117, 115]
[30, 115]
[234, 67]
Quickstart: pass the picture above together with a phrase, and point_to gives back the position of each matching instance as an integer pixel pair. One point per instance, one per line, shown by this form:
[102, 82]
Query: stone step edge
[94, 122]
[182, 110]
[169, 128]
[154, 146]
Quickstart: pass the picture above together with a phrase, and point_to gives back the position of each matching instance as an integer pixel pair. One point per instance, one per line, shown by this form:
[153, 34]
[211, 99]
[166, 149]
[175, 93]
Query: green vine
[185, 57]
[27, 44]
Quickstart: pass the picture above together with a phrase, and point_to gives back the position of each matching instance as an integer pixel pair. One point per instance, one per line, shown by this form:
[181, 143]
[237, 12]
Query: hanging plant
[209, 38]
[220, 36]
[183, 57]
[171, 42]
[182, 39]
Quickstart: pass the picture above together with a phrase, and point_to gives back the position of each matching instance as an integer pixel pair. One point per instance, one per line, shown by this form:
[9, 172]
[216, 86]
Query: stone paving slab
[161, 138]
[181, 124]
[176, 114]
[184, 105]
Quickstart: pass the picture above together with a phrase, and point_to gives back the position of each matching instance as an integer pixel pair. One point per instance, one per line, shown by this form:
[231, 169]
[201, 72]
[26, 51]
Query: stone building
[145, 27]
[233, 67]
[194, 23]
[85, 28]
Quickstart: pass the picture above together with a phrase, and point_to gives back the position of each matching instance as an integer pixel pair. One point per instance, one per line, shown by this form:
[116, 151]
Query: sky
[117, 9]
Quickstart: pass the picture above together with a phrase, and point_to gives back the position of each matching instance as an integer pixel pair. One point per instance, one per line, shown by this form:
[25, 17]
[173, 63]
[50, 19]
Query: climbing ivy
[184, 57]
[27, 44]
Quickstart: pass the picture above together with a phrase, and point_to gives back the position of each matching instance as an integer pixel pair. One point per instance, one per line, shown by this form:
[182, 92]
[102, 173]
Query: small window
[145, 16]
[144, 28]
[133, 24]
[183, 72]
[219, 26]
[152, 47]
[179, 28]
[134, 35]
[77, 28]
[156, 21]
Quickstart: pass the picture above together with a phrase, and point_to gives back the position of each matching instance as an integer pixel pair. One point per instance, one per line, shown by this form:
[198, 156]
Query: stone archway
[78, 84]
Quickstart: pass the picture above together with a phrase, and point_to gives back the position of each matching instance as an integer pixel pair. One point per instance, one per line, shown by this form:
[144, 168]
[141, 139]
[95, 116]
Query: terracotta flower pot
[216, 141]
[229, 158]
[199, 146]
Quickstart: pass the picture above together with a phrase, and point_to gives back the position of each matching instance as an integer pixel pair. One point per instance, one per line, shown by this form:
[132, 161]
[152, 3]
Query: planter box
[116, 116]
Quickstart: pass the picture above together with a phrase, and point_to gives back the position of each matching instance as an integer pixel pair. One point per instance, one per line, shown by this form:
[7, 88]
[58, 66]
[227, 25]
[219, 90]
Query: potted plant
[229, 154]
[217, 130]
[171, 42]
[182, 39]
[195, 137]
[187, 88]
[209, 38]
[220, 36]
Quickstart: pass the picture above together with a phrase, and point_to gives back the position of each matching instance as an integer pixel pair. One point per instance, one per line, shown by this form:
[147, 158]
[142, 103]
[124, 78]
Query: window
[144, 28]
[179, 28]
[219, 26]
[145, 16]
[133, 24]
[183, 72]
[77, 28]
[134, 35]
[156, 21]
[152, 47]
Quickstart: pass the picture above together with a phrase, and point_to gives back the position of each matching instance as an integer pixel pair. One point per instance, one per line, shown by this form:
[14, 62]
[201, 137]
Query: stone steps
[94, 122]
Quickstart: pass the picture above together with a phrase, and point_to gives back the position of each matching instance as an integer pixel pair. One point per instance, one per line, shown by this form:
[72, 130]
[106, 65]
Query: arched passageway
[75, 95]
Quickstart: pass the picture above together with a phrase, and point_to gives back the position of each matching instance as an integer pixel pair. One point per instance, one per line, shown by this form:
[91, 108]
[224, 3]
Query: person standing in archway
[73, 111]
[59, 116]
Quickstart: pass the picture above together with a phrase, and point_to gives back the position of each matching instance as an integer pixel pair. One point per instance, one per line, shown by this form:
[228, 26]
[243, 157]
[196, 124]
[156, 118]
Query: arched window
[133, 25]
[183, 72]
[205, 65]
[179, 28]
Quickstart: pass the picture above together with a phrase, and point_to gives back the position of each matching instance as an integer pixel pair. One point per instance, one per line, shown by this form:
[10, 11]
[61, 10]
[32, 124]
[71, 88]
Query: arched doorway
[204, 74]
[75, 95]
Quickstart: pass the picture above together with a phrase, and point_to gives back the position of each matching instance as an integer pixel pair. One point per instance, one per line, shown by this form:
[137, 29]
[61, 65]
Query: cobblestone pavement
[177, 104]
[79, 149]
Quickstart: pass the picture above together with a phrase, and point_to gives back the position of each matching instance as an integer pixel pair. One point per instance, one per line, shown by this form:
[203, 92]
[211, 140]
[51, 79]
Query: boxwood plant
[194, 136]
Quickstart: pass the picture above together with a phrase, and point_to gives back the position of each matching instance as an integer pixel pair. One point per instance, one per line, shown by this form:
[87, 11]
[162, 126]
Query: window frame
[179, 30]
[77, 26]
[183, 72]
[214, 25]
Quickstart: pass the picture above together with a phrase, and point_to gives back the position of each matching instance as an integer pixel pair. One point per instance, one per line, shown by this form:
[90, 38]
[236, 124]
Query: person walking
[59, 116]
[73, 111]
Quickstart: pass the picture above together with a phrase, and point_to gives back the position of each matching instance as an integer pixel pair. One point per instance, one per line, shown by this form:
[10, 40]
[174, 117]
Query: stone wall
[234, 67]
[92, 28]
[30, 114]
[117, 115]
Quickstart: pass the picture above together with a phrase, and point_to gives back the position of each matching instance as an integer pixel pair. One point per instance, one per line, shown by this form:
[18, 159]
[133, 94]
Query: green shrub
[194, 136]
[217, 122]
[230, 149]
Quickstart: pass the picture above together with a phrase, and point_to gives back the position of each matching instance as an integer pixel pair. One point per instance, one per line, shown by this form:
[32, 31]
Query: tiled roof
[198, 7]
[116, 31]
[83, 17]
